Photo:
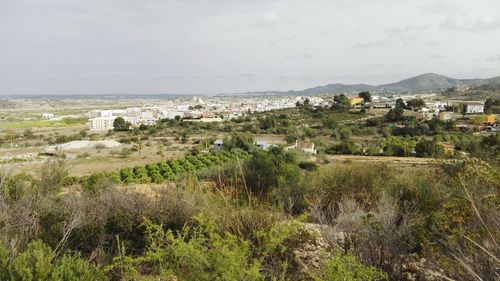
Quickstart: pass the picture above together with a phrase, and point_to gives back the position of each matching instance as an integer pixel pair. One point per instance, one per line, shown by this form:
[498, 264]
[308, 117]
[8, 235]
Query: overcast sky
[224, 46]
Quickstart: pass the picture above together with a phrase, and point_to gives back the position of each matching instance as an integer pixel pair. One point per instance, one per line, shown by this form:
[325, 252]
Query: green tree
[120, 125]
[367, 97]
[416, 103]
[341, 103]
[244, 141]
[428, 148]
[400, 103]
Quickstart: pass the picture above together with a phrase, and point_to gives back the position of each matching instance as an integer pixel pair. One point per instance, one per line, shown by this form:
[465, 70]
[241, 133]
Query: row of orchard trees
[162, 171]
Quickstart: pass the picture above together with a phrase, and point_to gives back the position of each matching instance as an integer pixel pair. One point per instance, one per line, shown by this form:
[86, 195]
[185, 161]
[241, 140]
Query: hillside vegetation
[252, 221]
[481, 92]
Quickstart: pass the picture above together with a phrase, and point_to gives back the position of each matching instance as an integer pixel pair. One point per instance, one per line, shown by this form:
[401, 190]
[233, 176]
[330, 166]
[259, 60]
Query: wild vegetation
[246, 213]
[249, 221]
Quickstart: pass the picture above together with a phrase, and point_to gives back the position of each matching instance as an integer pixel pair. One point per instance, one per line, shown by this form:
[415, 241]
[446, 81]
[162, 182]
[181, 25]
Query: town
[276, 140]
[220, 109]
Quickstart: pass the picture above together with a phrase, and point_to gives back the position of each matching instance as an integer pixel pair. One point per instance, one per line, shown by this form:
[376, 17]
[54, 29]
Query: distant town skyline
[230, 46]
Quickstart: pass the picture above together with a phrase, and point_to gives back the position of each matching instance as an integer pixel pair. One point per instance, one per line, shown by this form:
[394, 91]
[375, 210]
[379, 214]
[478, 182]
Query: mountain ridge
[423, 82]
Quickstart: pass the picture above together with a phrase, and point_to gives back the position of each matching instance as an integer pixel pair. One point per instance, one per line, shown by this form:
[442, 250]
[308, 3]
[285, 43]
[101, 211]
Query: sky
[228, 46]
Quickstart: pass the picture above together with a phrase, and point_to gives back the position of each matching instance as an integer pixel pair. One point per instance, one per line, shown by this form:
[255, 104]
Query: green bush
[348, 268]
[196, 253]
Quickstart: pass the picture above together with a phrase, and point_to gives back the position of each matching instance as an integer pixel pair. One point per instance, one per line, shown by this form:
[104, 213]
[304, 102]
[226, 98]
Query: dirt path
[386, 159]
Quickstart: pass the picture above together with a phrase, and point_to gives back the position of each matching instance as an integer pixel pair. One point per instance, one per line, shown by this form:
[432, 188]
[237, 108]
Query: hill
[428, 81]
[476, 92]
[424, 82]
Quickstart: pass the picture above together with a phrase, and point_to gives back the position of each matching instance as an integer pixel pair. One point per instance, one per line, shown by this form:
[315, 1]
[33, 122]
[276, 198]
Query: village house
[307, 148]
[48, 116]
[445, 115]
[426, 114]
[353, 101]
[218, 145]
[491, 119]
[474, 107]
[264, 145]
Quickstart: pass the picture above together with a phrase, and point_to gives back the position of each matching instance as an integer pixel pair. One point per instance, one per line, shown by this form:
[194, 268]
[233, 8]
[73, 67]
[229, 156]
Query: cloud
[168, 76]
[408, 34]
[478, 24]
[493, 58]
[397, 35]
[431, 43]
[107, 75]
[436, 56]
[284, 39]
[441, 7]
[307, 56]
[370, 44]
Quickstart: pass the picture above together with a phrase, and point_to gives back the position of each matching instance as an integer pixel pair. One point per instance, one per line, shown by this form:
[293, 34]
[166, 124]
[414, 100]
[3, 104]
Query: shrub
[127, 176]
[141, 175]
[308, 166]
[348, 268]
[197, 253]
[428, 148]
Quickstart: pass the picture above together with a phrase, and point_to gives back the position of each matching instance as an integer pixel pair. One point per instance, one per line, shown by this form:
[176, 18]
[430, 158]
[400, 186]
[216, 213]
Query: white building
[218, 145]
[102, 123]
[473, 108]
[48, 115]
[263, 145]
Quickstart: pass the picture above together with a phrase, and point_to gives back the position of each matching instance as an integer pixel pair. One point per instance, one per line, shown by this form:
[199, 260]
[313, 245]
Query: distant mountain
[335, 88]
[432, 81]
[429, 81]
[424, 82]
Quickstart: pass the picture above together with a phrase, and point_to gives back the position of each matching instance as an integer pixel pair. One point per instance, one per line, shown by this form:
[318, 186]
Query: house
[353, 101]
[208, 114]
[102, 123]
[426, 114]
[304, 147]
[218, 145]
[264, 145]
[309, 149]
[48, 116]
[474, 107]
[379, 104]
[445, 115]
[491, 119]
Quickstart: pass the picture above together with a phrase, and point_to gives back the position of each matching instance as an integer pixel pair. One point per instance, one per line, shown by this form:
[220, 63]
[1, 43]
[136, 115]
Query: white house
[102, 123]
[48, 116]
[264, 145]
[473, 108]
[218, 145]
[304, 147]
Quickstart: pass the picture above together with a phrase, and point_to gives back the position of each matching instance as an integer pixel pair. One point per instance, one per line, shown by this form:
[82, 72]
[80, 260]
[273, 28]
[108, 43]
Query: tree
[242, 141]
[367, 97]
[341, 103]
[490, 104]
[416, 103]
[394, 114]
[120, 125]
[429, 148]
[267, 123]
[400, 103]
